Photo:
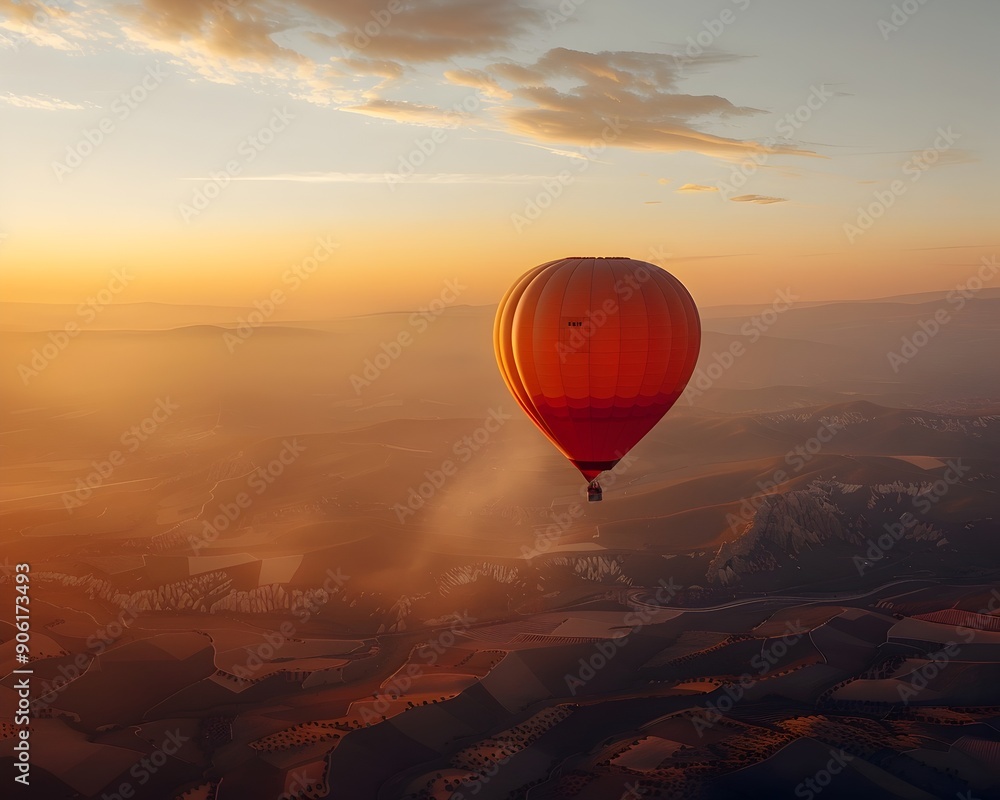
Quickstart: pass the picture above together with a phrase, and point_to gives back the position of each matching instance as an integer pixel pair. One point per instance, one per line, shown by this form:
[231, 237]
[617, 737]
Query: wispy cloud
[412, 113]
[558, 151]
[477, 79]
[39, 102]
[350, 54]
[574, 97]
[381, 177]
[954, 247]
[697, 187]
[713, 257]
[760, 199]
[259, 41]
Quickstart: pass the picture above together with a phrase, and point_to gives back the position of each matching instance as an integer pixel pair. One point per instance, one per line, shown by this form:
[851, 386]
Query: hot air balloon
[596, 351]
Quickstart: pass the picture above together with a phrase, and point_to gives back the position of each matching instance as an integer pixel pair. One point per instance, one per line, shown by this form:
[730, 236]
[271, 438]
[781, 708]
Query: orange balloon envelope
[596, 351]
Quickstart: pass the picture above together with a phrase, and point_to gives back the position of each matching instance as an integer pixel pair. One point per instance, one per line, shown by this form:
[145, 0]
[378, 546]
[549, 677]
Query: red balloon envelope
[596, 350]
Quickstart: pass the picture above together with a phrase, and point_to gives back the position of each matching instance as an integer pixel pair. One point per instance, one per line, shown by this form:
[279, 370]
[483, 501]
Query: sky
[207, 147]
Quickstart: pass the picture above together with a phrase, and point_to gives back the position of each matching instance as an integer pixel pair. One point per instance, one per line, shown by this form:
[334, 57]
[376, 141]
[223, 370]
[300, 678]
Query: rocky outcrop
[470, 573]
[597, 568]
[785, 525]
[210, 592]
[975, 427]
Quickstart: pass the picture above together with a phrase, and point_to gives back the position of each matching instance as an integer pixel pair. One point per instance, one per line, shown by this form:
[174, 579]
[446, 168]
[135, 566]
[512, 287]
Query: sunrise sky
[418, 136]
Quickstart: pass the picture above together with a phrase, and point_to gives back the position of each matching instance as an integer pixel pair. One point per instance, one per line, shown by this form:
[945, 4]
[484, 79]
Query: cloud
[269, 43]
[634, 95]
[200, 41]
[760, 199]
[697, 187]
[557, 151]
[38, 102]
[47, 25]
[953, 247]
[518, 73]
[389, 70]
[382, 177]
[231, 31]
[947, 158]
[431, 30]
[348, 54]
[21, 11]
[477, 79]
[712, 257]
[412, 113]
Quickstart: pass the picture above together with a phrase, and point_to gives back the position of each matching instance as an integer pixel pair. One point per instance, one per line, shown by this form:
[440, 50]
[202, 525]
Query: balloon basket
[594, 492]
